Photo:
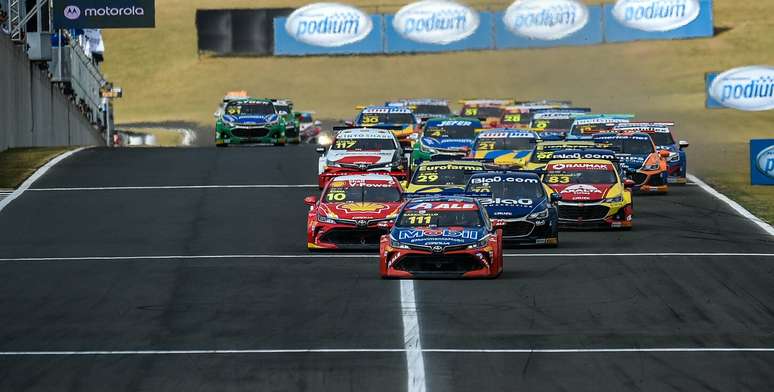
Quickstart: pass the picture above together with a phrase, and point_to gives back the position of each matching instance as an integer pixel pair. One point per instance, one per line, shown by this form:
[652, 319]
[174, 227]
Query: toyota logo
[362, 223]
[72, 12]
[438, 249]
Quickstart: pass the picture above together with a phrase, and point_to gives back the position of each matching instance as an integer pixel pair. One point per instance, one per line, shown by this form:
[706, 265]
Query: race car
[553, 124]
[250, 121]
[398, 119]
[585, 126]
[284, 108]
[442, 237]
[361, 151]
[641, 162]
[661, 134]
[489, 111]
[445, 137]
[442, 176]
[544, 151]
[309, 128]
[593, 194]
[516, 117]
[425, 108]
[506, 148]
[518, 202]
[353, 212]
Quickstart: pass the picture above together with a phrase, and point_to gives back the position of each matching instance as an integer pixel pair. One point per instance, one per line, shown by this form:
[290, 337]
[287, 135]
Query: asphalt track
[107, 289]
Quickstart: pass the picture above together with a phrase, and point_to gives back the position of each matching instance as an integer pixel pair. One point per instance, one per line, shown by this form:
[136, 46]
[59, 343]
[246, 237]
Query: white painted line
[174, 187]
[738, 208]
[398, 350]
[35, 176]
[364, 256]
[415, 363]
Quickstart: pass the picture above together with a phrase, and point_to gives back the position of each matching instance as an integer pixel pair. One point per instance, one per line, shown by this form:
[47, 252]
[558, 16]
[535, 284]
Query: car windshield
[505, 143]
[243, 109]
[451, 132]
[629, 146]
[359, 194]
[443, 175]
[580, 177]
[510, 190]
[385, 118]
[483, 112]
[662, 138]
[364, 144]
[432, 109]
[430, 218]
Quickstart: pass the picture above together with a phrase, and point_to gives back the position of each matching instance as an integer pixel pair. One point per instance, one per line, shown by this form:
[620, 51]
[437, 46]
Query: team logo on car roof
[363, 207]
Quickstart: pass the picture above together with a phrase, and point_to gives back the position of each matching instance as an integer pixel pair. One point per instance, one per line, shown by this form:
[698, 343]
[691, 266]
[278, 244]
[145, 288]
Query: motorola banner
[104, 14]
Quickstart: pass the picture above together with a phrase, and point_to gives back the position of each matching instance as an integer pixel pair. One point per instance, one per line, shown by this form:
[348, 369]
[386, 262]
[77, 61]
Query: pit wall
[33, 111]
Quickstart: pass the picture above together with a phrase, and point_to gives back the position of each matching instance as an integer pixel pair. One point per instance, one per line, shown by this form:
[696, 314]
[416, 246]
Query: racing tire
[280, 143]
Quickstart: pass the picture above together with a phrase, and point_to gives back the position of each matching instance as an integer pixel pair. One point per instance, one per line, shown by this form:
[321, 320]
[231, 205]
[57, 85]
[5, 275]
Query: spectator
[93, 44]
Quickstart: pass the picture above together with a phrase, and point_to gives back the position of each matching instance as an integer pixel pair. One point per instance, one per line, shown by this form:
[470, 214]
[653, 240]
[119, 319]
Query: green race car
[285, 110]
[250, 121]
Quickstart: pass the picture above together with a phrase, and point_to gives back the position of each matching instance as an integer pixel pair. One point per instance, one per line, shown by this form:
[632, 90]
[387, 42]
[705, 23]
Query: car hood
[370, 158]
[582, 192]
[359, 210]
[447, 144]
[251, 119]
[438, 236]
[501, 208]
[631, 161]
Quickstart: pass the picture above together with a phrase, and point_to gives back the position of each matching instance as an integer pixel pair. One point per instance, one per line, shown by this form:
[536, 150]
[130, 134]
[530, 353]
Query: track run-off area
[187, 269]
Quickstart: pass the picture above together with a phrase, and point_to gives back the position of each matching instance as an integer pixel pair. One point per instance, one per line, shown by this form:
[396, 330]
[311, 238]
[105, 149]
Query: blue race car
[661, 134]
[506, 148]
[518, 202]
[445, 138]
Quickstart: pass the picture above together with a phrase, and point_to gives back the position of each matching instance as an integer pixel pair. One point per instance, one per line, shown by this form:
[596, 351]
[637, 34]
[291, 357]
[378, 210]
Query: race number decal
[471, 111]
[336, 196]
[370, 119]
[428, 177]
[486, 145]
[541, 124]
[512, 118]
[345, 144]
[558, 179]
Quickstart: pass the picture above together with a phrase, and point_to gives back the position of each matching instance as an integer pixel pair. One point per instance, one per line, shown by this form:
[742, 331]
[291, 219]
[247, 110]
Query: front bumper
[250, 135]
[595, 215]
[417, 264]
[345, 236]
[524, 232]
[649, 181]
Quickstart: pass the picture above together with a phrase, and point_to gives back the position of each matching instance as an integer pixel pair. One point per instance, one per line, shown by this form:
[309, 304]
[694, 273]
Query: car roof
[365, 133]
[514, 174]
[365, 177]
[507, 132]
[571, 161]
[452, 162]
[386, 109]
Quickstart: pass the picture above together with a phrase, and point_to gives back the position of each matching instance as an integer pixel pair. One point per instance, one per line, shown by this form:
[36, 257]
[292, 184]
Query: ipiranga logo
[546, 19]
[435, 22]
[746, 88]
[765, 161]
[656, 15]
[328, 24]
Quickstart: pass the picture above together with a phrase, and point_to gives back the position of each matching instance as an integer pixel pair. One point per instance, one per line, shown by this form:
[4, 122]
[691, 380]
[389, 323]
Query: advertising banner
[328, 28]
[633, 20]
[437, 25]
[104, 14]
[745, 88]
[547, 23]
[762, 161]
[710, 102]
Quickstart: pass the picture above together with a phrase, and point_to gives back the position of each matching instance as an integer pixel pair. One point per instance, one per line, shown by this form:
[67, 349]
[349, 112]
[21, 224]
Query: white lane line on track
[362, 256]
[398, 350]
[173, 187]
[738, 208]
[412, 343]
[35, 176]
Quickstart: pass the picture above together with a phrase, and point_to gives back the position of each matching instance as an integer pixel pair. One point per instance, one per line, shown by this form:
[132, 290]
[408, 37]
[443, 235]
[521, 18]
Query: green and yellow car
[250, 121]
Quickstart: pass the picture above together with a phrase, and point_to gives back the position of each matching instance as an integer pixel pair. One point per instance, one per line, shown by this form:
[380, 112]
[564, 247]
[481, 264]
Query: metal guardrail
[70, 65]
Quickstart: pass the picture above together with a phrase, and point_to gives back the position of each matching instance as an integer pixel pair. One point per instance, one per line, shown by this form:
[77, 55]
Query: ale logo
[435, 22]
[656, 15]
[328, 24]
[72, 12]
[546, 19]
[765, 162]
[746, 88]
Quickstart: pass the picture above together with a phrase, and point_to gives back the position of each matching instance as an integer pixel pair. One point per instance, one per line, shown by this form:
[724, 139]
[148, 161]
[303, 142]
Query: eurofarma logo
[765, 162]
[656, 15]
[546, 19]
[436, 22]
[328, 24]
[746, 88]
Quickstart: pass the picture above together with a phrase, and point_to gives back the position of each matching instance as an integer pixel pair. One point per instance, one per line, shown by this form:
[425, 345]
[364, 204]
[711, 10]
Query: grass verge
[16, 164]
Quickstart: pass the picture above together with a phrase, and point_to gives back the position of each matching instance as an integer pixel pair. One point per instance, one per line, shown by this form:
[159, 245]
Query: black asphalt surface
[73, 303]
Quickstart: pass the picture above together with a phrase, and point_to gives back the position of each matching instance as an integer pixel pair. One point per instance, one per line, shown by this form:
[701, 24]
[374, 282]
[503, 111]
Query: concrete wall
[33, 112]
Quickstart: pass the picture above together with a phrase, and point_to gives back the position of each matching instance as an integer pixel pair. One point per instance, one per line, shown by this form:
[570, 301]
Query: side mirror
[408, 150]
[628, 183]
[555, 198]
[317, 122]
[663, 153]
[216, 114]
[320, 150]
[349, 123]
[684, 144]
[310, 200]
